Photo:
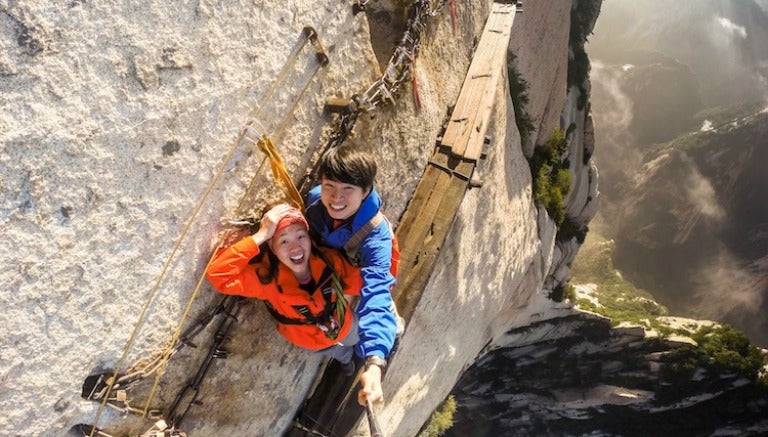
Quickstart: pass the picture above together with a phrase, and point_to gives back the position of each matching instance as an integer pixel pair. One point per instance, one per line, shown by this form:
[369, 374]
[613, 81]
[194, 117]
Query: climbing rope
[157, 364]
[399, 70]
[280, 173]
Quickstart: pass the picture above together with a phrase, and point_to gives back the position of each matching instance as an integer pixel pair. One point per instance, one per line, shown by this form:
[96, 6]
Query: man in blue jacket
[343, 212]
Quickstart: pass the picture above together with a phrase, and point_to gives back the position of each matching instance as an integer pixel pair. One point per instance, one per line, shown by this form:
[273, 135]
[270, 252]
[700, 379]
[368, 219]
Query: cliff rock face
[597, 380]
[117, 122]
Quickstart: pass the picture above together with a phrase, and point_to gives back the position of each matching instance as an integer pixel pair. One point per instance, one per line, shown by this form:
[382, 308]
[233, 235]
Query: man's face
[292, 247]
[341, 200]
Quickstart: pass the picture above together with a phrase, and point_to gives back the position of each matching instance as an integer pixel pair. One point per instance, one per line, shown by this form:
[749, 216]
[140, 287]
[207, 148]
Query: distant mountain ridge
[639, 373]
[678, 93]
[701, 199]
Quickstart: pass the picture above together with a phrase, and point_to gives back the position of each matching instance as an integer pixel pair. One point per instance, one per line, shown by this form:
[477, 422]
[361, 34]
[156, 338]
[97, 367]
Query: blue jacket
[377, 325]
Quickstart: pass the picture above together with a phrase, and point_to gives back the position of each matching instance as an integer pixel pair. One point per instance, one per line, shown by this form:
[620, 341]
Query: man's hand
[371, 382]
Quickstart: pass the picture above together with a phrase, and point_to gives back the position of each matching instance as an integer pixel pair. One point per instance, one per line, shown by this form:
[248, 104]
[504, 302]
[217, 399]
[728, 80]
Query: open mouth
[297, 259]
[338, 207]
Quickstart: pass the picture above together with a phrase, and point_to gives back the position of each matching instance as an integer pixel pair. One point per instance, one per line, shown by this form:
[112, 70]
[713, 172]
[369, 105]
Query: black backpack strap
[353, 244]
[285, 319]
[330, 284]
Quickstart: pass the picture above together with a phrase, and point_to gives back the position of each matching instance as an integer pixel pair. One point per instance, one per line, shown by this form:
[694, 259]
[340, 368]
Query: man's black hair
[348, 164]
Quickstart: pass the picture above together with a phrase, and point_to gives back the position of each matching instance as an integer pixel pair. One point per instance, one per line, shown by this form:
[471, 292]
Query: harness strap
[327, 286]
[353, 244]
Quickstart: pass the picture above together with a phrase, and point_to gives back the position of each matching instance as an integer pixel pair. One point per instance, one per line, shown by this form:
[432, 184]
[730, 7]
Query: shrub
[726, 349]
[518, 89]
[551, 179]
[570, 229]
[721, 349]
[441, 420]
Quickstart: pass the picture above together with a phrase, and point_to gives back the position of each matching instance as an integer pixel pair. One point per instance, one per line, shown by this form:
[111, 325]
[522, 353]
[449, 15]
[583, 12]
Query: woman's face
[292, 247]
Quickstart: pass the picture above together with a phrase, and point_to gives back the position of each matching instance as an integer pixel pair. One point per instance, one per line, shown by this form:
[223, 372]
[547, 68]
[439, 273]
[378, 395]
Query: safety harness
[352, 246]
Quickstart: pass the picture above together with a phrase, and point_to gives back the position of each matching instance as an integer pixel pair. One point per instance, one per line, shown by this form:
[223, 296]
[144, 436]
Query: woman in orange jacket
[304, 287]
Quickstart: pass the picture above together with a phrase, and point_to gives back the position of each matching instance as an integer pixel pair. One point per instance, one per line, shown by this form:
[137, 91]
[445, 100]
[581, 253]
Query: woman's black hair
[268, 272]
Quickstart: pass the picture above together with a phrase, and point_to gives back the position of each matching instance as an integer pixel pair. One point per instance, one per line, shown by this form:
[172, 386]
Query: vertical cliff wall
[502, 259]
[115, 120]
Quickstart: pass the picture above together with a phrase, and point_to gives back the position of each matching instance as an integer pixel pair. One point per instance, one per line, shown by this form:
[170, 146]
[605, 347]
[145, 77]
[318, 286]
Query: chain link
[399, 66]
[397, 71]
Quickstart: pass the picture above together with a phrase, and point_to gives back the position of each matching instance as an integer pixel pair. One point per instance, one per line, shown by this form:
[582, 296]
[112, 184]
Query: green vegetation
[551, 179]
[583, 16]
[570, 229]
[441, 420]
[619, 299]
[518, 89]
[722, 349]
[726, 349]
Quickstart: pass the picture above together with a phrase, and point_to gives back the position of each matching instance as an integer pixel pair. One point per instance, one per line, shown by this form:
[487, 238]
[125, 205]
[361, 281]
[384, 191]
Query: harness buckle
[331, 328]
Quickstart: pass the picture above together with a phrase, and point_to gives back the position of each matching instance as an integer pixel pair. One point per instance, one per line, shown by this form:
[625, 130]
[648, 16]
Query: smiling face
[292, 247]
[341, 200]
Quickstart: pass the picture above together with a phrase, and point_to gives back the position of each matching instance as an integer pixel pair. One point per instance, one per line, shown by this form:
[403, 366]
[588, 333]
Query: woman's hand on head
[269, 222]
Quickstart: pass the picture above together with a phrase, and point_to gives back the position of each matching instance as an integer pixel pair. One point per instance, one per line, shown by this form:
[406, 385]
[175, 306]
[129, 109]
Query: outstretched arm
[377, 324]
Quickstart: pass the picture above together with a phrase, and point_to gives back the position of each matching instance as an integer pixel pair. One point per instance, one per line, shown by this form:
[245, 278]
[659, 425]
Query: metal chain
[384, 89]
[397, 71]
[399, 66]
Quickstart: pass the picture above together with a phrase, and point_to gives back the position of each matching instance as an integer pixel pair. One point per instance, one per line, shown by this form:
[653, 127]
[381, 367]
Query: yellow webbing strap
[280, 173]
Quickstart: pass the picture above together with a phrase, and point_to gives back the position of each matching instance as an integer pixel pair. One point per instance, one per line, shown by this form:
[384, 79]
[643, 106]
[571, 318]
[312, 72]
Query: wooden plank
[482, 101]
[495, 34]
[332, 408]
[478, 74]
[476, 137]
[412, 240]
[463, 110]
[413, 287]
[412, 224]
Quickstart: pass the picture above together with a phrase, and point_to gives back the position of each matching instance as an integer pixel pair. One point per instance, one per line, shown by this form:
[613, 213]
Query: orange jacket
[230, 273]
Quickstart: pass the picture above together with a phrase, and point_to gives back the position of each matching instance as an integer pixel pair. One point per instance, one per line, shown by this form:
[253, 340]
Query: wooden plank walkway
[332, 408]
